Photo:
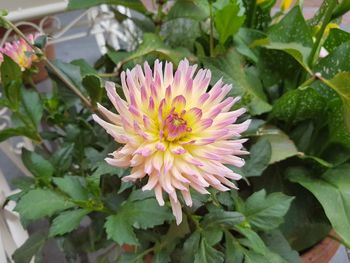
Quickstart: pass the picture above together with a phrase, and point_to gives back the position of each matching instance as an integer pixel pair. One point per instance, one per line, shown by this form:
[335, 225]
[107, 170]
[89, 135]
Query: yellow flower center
[174, 126]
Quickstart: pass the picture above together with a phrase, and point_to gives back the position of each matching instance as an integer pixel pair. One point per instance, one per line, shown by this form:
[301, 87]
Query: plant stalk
[317, 45]
[56, 71]
[211, 33]
[252, 14]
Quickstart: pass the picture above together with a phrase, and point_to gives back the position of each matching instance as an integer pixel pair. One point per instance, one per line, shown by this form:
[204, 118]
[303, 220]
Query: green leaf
[62, 159]
[296, 50]
[20, 131]
[140, 214]
[83, 4]
[253, 240]
[152, 44]
[331, 188]
[181, 32]
[252, 257]
[190, 247]
[304, 208]
[169, 241]
[329, 67]
[3, 12]
[30, 248]
[242, 42]
[40, 41]
[94, 87]
[72, 185]
[228, 18]
[337, 129]
[144, 23]
[41, 168]
[119, 229]
[194, 9]
[72, 72]
[213, 235]
[208, 254]
[275, 67]
[341, 84]
[39, 203]
[265, 212]
[335, 38]
[342, 8]
[282, 147]
[222, 218]
[277, 243]
[11, 79]
[10, 71]
[259, 158]
[137, 195]
[117, 56]
[233, 252]
[254, 127]
[229, 67]
[104, 168]
[292, 28]
[320, 15]
[298, 105]
[130, 257]
[67, 221]
[251, 248]
[334, 63]
[85, 67]
[305, 223]
[31, 106]
[161, 257]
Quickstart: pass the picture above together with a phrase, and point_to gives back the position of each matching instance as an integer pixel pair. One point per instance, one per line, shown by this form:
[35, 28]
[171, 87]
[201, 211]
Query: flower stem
[317, 45]
[159, 16]
[56, 70]
[144, 253]
[252, 14]
[68, 83]
[306, 84]
[211, 33]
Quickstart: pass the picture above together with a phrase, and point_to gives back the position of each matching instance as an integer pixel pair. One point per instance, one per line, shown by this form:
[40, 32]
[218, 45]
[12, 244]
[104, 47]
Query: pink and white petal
[159, 194]
[115, 118]
[135, 174]
[118, 162]
[153, 180]
[176, 208]
[187, 197]
[177, 184]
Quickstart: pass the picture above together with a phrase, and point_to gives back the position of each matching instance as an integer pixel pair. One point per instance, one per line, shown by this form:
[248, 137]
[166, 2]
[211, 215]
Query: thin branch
[316, 47]
[211, 36]
[56, 71]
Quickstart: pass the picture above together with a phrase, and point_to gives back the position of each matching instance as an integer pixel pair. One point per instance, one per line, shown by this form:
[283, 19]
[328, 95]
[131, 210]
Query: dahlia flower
[20, 52]
[175, 133]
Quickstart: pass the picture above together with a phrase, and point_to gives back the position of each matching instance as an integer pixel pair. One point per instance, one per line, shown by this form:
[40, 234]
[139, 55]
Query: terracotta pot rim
[323, 251]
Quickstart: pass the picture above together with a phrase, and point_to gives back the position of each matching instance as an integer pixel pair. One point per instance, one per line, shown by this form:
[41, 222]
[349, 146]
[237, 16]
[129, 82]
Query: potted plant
[141, 153]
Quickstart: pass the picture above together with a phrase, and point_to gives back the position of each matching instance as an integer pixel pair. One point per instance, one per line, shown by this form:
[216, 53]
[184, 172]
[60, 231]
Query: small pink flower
[175, 132]
[21, 52]
[152, 6]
